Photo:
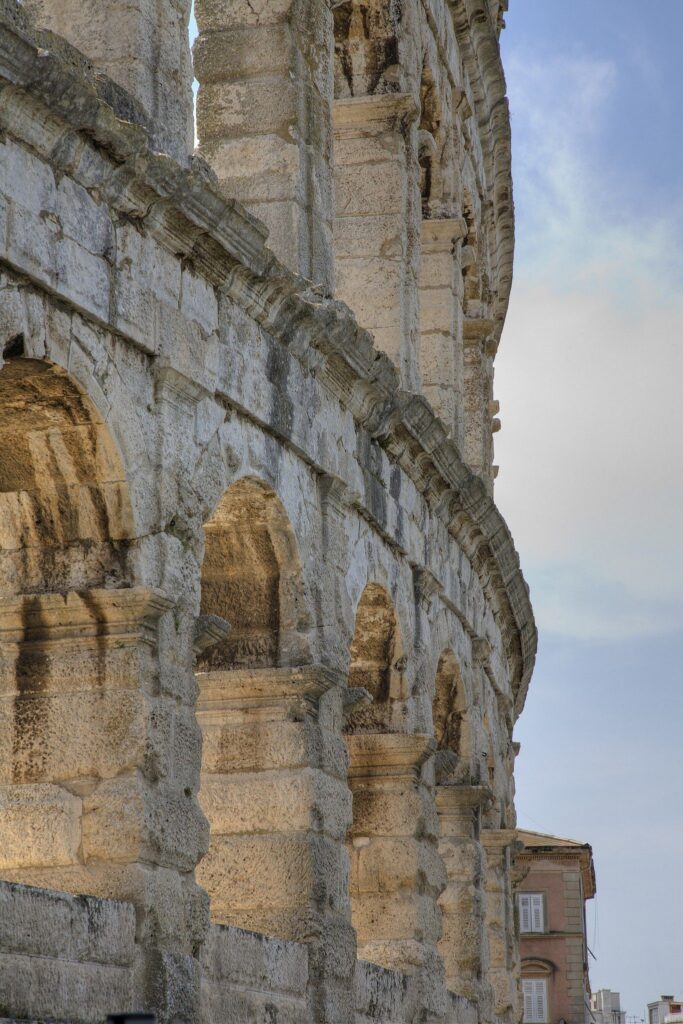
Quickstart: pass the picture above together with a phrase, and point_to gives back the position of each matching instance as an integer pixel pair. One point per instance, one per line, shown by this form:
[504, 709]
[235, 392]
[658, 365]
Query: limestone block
[272, 881]
[389, 865]
[383, 994]
[83, 277]
[391, 812]
[229, 109]
[215, 15]
[374, 287]
[50, 924]
[243, 51]
[381, 194]
[39, 825]
[85, 221]
[63, 737]
[257, 746]
[395, 916]
[246, 803]
[233, 956]
[125, 819]
[35, 987]
[260, 168]
[363, 235]
[244, 1007]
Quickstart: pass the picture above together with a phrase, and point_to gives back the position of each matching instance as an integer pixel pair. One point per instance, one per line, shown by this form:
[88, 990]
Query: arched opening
[377, 661]
[77, 645]
[430, 145]
[366, 55]
[251, 576]
[258, 710]
[471, 274]
[65, 518]
[448, 709]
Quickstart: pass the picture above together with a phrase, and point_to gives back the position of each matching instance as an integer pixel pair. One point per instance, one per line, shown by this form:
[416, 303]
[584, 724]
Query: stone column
[376, 228]
[264, 121]
[143, 45]
[500, 920]
[478, 384]
[464, 940]
[396, 872]
[441, 354]
[274, 790]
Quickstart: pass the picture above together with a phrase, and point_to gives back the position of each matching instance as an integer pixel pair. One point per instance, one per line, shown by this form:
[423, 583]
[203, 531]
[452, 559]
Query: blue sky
[591, 478]
[589, 377]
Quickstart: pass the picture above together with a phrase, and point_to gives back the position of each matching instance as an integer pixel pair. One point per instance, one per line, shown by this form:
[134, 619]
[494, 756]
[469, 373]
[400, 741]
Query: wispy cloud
[589, 368]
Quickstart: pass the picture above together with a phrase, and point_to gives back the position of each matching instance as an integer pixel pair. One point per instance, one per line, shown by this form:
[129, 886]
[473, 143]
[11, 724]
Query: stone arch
[449, 707]
[78, 665]
[470, 262]
[66, 521]
[366, 50]
[258, 708]
[430, 144]
[251, 576]
[377, 661]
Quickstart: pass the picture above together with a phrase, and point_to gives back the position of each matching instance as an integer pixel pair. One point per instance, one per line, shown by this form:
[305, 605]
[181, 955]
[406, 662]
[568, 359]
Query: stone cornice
[184, 211]
[50, 617]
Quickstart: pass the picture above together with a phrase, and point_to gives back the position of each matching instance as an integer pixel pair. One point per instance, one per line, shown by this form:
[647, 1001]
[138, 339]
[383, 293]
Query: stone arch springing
[251, 576]
[366, 50]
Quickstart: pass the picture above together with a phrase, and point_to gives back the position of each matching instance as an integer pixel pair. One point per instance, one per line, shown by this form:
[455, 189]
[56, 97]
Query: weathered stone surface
[188, 428]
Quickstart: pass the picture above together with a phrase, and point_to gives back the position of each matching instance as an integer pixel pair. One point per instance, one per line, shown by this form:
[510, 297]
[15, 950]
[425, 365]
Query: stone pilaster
[464, 939]
[396, 872]
[274, 790]
[376, 228]
[94, 792]
[143, 45]
[500, 920]
[264, 121]
[441, 353]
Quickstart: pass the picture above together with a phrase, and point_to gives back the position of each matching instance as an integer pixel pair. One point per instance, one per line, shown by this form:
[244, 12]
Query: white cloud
[589, 369]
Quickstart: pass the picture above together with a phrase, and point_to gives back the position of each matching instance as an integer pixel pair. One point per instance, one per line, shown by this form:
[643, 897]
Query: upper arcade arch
[251, 576]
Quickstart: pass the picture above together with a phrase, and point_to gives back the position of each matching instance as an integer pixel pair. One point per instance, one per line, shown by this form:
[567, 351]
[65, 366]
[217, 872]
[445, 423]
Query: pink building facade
[559, 878]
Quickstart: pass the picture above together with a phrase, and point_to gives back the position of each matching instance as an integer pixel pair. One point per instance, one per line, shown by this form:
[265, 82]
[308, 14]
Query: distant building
[552, 922]
[606, 1007]
[665, 1006]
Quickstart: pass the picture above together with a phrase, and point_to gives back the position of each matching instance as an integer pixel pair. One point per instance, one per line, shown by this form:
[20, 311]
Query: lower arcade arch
[77, 643]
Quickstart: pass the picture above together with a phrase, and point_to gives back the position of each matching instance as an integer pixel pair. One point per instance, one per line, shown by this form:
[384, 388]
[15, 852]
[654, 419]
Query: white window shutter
[524, 913]
[535, 996]
[540, 1002]
[537, 913]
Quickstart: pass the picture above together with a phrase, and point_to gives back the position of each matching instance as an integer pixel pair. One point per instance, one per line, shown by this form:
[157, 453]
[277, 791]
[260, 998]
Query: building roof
[542, 842]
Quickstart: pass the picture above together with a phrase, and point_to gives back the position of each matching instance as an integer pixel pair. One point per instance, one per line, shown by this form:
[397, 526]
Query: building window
[531, 916]
[654, 1015]
[535, 994]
